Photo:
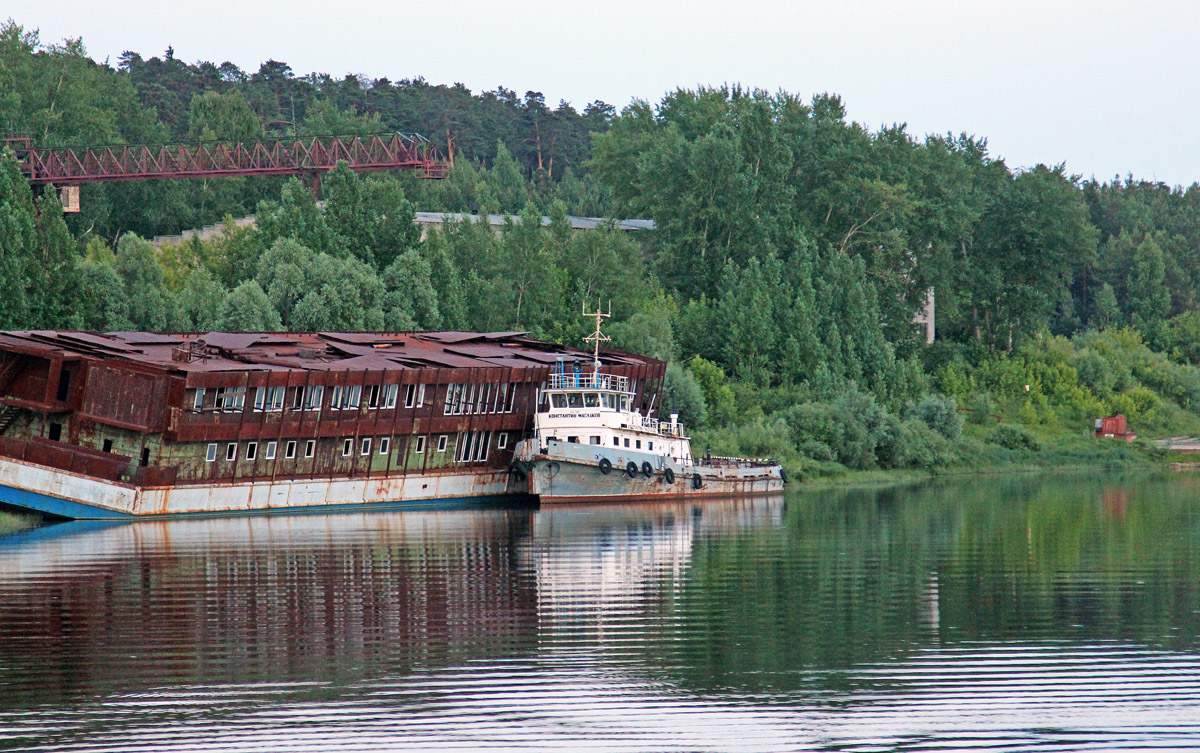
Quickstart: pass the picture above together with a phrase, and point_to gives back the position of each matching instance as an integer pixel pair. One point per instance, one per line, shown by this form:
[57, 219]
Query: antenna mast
[597, 337]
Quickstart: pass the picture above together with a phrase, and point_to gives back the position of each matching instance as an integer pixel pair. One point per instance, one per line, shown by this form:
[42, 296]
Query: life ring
[697, 482]
[605, 466]
[631, 469]
[668, 476]
[647, 470]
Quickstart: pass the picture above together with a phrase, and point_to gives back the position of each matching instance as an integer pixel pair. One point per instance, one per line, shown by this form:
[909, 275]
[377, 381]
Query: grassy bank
[12, 522]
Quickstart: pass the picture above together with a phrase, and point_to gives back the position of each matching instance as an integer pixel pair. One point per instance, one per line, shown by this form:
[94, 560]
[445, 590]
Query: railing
[729, 462]
[66, 457]
[664, 428]
[592, 381]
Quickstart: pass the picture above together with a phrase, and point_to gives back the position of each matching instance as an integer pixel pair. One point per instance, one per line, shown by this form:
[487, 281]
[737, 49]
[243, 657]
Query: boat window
[591, 399]
[595, 440]
[624, 402]
[365, 446]
[310, 447]
[502, 440]
[211, 454]
[651, 445]
[385, 445]
[271, 450]
[559, 399]
[289, 449]
[627, 442]
[573, 440]
[251, 450]
[616, 442]
[575, 399]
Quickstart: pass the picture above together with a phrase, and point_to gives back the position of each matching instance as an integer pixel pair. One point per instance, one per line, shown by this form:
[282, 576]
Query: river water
[1012, 613]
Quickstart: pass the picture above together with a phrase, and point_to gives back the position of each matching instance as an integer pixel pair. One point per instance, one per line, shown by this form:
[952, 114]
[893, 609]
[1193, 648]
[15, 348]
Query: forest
[792, 250]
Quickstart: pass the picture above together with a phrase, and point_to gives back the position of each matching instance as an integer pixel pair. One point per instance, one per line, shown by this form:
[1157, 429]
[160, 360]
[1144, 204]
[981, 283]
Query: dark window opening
[64, 382]
[145, 456]
[55, 432]
[108, 445]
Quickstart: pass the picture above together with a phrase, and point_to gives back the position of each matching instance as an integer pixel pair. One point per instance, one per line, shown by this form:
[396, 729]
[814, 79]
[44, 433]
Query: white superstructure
[595, 409]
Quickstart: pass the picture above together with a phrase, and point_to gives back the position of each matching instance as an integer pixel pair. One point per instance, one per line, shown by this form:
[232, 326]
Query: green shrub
[1013, 438]
[939, 413]
[981, 409]
[917, 445]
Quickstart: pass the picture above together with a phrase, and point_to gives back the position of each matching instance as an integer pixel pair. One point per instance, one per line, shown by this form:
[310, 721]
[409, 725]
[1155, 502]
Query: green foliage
[247, 309]
[718, 395]
[682, 394]
[1013, 438]
[315, 291]
[202, 300]
[939, 413]
[411, 301]
[151, 307]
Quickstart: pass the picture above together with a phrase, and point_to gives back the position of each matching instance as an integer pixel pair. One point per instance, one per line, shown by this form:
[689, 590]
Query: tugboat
[590, 444]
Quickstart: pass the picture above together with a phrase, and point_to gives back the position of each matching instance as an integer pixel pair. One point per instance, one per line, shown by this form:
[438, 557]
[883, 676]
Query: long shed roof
[315, 351]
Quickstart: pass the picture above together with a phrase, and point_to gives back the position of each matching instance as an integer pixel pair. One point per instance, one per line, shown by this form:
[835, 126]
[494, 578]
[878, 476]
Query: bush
[683, 395]
[939, 413]
[1013, 438]
[981, 409]
[916, 445]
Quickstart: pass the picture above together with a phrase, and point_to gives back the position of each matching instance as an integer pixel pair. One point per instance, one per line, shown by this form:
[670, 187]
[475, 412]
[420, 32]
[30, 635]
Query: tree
[682, 394]
[151, 308]
[100, 298]
[411, 302]
[1149, 299]
[202, 300]
[18, 237]
[54, 275]
[247, 309]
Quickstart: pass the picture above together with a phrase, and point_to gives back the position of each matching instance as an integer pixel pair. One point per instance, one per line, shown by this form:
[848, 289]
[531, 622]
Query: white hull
[71, 495]
[571, 472]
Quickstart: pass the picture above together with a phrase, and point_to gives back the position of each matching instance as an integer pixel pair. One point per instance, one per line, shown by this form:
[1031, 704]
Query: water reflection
[1023, 612]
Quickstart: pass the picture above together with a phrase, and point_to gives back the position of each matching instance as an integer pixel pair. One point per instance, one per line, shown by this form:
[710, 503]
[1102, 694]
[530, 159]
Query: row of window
[616, 442]
[589, 400]
[471, 446]
[342, 397]
[479, 398]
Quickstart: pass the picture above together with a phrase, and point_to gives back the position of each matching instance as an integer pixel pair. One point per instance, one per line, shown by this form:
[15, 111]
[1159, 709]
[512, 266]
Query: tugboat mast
[597, 337]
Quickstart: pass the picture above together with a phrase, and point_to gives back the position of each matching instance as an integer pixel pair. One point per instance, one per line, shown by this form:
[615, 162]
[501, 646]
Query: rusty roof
[306, 351]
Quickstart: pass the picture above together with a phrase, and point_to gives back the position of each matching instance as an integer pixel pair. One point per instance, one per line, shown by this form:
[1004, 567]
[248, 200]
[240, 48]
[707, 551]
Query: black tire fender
[605, 466]
[647, 470]
[668, 476]
[631, 469]
[697, 482]
[782, 474]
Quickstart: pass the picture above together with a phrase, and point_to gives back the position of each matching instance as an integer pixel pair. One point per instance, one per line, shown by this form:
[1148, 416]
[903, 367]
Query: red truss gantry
[63, 166]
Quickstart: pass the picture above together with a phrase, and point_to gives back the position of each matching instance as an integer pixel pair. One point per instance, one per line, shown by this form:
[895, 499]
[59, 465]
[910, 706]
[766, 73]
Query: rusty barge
[125, 424]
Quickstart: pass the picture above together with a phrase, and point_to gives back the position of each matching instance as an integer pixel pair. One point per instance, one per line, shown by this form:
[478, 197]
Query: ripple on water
[1034, 615]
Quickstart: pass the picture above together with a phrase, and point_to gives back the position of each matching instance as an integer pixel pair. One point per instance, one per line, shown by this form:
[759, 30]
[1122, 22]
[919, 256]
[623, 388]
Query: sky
[1108, 88]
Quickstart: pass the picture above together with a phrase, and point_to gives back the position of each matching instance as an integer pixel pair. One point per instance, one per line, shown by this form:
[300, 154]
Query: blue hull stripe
[63, 508]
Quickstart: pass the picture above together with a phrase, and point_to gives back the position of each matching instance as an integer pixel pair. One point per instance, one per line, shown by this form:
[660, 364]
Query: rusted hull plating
[58, 492]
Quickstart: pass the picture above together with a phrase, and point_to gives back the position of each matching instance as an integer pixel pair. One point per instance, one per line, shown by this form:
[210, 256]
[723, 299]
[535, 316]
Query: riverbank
[14, 522]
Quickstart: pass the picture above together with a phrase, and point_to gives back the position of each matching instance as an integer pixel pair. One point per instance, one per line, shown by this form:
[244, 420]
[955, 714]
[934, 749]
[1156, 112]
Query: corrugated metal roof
[316, 351]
